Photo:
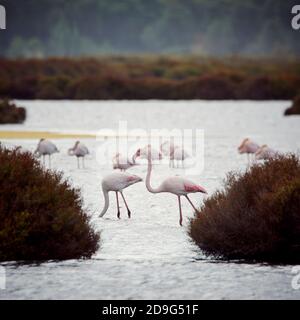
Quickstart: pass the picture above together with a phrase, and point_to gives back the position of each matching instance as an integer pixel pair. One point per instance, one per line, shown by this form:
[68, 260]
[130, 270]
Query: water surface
[151, 256]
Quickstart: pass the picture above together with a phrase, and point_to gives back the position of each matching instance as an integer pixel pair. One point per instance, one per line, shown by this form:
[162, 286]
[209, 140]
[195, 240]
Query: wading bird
[265, 153]
[143, 153]
[46, 147]
[249, 147]
[174, 152]
[123, 163]
[117, 182]
[179, 154]
[80, 151]
[176, 185]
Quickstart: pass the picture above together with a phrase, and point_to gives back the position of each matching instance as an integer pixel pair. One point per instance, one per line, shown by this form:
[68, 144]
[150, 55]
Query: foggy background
[41, 28]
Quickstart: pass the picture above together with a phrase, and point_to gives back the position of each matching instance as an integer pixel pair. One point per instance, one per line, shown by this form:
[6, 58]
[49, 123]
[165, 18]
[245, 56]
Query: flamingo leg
[171, 163]
[118, 213]
[180, 211]
[78, 166]
[249, 160]
[83, 163]
[44, 160]
[128, 211]
[49, 161]
[191, 204]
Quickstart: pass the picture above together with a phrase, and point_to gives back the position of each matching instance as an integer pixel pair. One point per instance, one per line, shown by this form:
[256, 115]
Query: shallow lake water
[150, 256]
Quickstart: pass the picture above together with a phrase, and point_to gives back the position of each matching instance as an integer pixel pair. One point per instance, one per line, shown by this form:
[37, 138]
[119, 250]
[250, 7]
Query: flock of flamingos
[118, 181]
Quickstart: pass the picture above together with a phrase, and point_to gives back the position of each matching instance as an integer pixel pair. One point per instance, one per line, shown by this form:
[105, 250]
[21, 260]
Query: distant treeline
[42, 28]
[149, 78]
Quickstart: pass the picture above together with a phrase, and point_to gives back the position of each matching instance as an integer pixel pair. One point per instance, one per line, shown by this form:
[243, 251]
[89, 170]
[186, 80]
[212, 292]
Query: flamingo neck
[106, 203]
[148, 185]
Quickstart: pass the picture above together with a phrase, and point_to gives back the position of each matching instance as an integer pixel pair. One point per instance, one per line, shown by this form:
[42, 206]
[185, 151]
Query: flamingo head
[242, 147]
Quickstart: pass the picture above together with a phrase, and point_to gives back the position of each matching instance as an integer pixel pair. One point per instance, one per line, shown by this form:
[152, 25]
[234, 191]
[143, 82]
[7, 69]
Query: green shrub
[41, 215]
[10, 113]
[256, 216]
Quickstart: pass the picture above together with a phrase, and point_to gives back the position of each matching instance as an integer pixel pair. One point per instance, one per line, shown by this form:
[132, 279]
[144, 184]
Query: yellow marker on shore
[43, 134]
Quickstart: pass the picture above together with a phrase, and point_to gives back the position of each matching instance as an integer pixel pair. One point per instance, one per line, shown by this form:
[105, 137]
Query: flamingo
[248, 146]
[178, 186]
[80, 151]
[179, 154]
[143, 153]
[117, 182]
[167, 148]
[174, 152]
[123, 163]
[265, 153]
[46, 147]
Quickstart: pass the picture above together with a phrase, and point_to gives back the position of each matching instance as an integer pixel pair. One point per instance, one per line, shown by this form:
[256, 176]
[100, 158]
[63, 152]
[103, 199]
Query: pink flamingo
[248, 146]
[174, 152]
[265, 153]
[46, 147]
[80, 151]
[145, 151]
[123, 163]
[117, 182]
[175, 185]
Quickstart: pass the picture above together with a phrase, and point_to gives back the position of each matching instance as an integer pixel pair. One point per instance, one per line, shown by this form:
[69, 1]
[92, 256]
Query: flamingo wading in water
[145, 151]
[80, 151]
[46, 147]
[123, 163]
[176, 185]
[249, 147]
[117, 182]
[174, 152]
[265, 153]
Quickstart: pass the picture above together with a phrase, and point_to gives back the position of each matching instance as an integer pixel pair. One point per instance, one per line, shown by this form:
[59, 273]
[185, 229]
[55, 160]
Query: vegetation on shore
[41, 215]
[147, 77]
[257, 215]
[10, 113]
[295, 108]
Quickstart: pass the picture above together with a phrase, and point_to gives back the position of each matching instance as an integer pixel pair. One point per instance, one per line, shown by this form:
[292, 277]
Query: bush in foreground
[41, 216]
[10, 113]
[295, 108]
[256, 216]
